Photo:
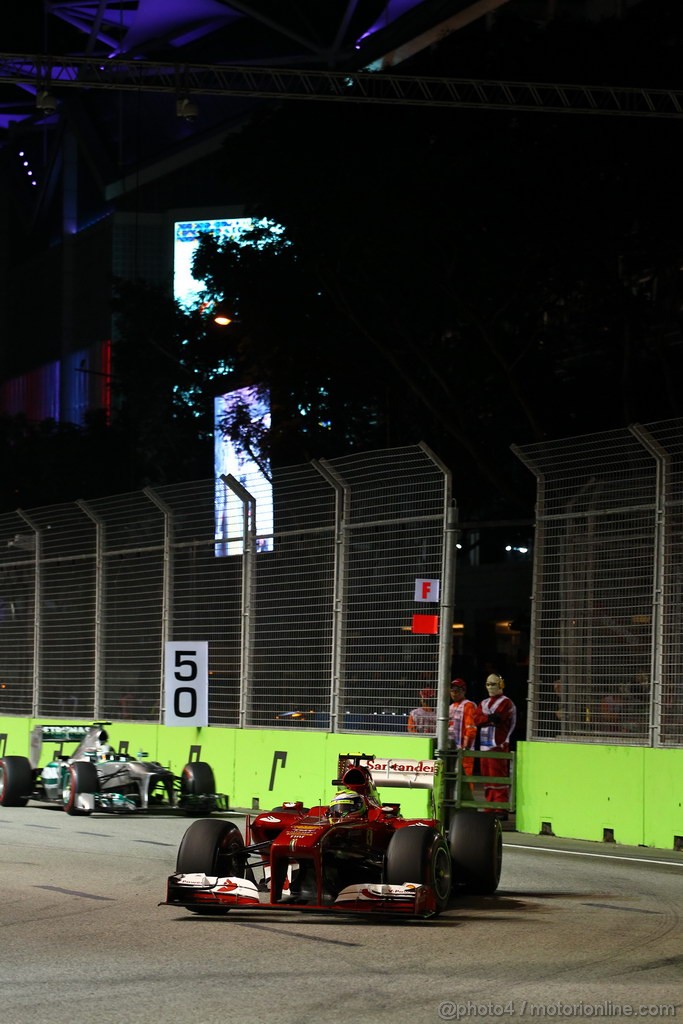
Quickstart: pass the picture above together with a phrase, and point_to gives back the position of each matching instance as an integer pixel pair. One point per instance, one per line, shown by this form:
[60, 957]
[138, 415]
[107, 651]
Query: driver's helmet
[103, 749]
[344, 804]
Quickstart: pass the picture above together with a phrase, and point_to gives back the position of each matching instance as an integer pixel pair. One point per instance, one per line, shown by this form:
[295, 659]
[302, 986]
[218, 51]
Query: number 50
[187, 683]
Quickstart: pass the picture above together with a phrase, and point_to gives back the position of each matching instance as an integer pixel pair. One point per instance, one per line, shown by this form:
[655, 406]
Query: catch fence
[606, 660]
[316, 631]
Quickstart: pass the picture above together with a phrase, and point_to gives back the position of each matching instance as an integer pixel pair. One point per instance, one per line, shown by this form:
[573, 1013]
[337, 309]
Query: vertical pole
[446, 617]
[248, 592]
[539, 545]
[535, 617]
[98, 667]
[447, 603]
[662, 460]
[37, 597]
[167, 588]
[341, 504]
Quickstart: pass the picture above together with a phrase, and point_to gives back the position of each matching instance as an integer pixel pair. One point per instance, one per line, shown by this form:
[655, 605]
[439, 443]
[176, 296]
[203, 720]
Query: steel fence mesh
[293, 613]
[204, 594]
[17, 614]
[395, 536]
[66, 631]
[605, 659]
[668, 436]
[320, 637]
[131, 571]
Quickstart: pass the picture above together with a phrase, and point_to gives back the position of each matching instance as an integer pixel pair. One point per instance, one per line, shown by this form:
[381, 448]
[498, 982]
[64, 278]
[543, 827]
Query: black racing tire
[197, 780]
[81, 778]
[212, 847]
[475, 840]
[420, 854]
[16, 781]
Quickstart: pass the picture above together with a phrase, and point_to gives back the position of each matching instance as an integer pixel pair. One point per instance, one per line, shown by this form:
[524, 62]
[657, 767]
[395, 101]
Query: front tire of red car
[212, 847]
[421, 855]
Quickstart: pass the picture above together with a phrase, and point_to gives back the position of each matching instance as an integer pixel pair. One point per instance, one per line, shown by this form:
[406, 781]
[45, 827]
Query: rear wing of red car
[394, 772]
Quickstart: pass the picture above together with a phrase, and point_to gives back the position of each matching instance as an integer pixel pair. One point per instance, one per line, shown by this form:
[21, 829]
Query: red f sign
[426, 590]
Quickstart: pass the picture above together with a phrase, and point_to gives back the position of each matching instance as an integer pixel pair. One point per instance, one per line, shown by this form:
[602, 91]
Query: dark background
[472, 278]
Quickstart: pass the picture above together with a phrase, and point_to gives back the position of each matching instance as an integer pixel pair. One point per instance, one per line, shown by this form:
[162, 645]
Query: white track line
[602, 856]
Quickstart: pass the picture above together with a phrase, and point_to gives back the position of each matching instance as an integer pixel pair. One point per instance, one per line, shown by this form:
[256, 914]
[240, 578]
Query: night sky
[498, 277]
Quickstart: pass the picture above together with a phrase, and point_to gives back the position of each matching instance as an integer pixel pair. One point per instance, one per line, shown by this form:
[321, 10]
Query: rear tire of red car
[82, 779]
[197, 780]
[212, 847]
[419, 854]
[475, 840]
[16, 781]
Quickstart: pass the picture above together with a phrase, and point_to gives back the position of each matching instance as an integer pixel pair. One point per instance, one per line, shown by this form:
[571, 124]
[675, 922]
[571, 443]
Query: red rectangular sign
[425, 624]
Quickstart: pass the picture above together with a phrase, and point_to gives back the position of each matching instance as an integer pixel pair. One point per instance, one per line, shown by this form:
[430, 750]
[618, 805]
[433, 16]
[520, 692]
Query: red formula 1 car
[355, 855]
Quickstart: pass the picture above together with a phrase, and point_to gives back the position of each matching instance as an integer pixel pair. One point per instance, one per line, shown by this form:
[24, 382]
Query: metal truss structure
[185, 80]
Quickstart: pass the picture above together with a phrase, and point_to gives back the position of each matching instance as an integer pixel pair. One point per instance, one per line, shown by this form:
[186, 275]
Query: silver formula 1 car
[95, 778]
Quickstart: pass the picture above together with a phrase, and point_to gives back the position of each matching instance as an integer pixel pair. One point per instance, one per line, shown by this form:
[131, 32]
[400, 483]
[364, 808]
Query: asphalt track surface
[577, 931]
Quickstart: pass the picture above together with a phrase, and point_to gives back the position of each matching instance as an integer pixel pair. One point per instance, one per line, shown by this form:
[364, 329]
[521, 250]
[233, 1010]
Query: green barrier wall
[581, 791]
[577, 791]
[257, 769]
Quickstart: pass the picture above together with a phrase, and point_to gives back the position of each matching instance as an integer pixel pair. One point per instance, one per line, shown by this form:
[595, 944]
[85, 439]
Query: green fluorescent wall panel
[257, 769]
[634, 794]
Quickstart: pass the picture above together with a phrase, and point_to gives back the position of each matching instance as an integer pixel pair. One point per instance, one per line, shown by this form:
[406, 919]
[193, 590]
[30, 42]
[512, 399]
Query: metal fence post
[341, 500]
[539, 546]
[167, 587]
[662, 459]
[248, 581]
[99, 606]
[447, 602]
[37, 598]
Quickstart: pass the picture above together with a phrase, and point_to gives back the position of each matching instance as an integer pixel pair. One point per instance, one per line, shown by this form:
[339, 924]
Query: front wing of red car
[209, 893]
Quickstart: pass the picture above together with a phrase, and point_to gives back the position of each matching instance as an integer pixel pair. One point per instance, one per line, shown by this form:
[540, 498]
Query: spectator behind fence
[639, 705]
[496, 717]
[549, 708]
[612, 711]
[423, 719]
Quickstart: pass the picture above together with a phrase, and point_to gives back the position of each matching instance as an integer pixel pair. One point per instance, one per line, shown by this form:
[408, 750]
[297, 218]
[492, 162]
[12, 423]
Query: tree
[468, 278]
[492, 271]
[48, 462]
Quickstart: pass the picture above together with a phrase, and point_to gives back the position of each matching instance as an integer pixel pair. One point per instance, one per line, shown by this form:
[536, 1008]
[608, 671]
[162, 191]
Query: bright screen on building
[238, 456]
[235, 451]
[186, 288]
